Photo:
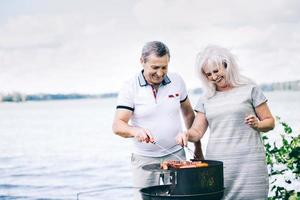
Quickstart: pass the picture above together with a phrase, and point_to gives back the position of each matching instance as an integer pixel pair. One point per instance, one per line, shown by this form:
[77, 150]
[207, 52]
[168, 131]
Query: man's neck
[155, 86]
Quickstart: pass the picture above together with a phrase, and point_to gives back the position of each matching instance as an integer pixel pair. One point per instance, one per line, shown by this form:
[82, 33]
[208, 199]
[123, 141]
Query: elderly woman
[236, 111]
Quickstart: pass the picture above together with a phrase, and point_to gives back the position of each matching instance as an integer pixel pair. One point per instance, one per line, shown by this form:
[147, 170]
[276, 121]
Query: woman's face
[216, 75]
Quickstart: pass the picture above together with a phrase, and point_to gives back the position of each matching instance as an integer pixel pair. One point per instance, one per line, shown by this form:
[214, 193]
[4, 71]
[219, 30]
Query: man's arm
[120, 124]
[122, 128]
[189, 116]
[188, 113]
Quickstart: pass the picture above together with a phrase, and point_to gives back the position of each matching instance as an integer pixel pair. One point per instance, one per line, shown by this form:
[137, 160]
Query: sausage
[175, 164]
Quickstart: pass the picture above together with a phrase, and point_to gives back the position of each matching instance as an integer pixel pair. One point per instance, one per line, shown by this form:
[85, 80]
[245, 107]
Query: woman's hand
[182, 139]
[198, 154]
[252, 121]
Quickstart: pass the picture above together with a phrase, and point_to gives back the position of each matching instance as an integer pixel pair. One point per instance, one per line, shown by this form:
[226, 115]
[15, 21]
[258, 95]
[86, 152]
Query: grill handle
[168, 177]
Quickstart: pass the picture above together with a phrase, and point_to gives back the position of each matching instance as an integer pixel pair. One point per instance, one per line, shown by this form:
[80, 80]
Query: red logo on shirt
[173, 95]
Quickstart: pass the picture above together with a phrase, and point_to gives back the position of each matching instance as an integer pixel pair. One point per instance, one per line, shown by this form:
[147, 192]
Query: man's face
[155, 68]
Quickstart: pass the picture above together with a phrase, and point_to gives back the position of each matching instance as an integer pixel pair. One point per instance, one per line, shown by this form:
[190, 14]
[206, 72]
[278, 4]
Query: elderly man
[153, 101]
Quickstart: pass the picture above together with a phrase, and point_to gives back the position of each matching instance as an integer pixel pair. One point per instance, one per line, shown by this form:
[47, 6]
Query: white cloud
[74, 49]
[264, 35]
[202, 13]
[57, 50]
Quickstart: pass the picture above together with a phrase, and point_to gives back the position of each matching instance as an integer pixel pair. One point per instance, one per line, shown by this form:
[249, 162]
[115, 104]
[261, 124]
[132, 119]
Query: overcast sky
[93, 46]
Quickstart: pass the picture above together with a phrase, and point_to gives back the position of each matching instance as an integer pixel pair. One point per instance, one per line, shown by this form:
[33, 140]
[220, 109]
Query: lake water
[66, 149]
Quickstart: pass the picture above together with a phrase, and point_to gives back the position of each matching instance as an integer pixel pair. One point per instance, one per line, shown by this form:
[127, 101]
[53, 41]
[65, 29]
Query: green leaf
[265, 137]
[288, 157]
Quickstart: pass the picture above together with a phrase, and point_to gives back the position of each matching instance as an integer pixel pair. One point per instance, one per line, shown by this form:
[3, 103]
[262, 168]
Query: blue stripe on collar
[166, 80]
[142, 79]
[143, 82]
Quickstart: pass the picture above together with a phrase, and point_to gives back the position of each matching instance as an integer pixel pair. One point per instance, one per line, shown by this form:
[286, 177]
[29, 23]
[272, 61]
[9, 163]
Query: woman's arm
[189, 117]
[195, 133]
[264, 121]
[199, 127]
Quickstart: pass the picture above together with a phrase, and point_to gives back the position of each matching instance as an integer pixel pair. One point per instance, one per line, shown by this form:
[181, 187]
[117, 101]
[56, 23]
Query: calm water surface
[66, 149]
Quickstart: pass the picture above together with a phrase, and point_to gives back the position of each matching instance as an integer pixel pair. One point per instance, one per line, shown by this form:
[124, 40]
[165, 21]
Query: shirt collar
[143, 82]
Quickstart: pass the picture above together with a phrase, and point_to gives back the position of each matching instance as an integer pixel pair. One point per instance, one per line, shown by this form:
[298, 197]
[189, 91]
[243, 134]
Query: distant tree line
[289, 85]
[20, 97]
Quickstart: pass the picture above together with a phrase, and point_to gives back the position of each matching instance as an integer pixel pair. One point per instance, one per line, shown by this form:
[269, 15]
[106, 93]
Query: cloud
[201, 13]
[264, 35]
[62, 49]
[74, 49]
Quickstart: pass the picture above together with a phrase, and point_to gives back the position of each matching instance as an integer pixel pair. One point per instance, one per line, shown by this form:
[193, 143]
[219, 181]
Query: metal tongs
[185, 147]
[190, 151]
[167, 150]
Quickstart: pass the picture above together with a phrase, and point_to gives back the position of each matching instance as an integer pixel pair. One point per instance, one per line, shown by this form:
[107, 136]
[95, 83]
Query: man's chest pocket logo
[173, 95]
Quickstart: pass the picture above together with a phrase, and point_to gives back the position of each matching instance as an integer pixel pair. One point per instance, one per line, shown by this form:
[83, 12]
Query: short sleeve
[125, 97]
[200, 105]
[257, 96]
[183, 90]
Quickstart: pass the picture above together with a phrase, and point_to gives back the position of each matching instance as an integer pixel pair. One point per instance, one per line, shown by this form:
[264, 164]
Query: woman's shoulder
[174, 75]
[251, 90]
[203, 99]
[249, 86]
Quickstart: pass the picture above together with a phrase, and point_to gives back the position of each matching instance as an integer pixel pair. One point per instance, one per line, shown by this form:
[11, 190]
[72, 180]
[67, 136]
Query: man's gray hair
[155, 47]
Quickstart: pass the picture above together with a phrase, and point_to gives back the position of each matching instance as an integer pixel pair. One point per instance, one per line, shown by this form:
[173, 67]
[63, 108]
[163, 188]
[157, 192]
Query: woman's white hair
[213, 57]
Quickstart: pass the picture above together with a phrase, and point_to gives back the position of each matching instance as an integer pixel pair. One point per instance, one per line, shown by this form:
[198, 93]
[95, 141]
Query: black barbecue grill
[203, 183]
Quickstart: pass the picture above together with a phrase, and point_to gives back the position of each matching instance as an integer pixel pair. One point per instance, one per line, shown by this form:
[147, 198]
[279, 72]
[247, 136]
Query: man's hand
[182, 139]
[143, 135]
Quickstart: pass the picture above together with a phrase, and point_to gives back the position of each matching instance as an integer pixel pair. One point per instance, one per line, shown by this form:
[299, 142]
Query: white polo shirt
[160, 113]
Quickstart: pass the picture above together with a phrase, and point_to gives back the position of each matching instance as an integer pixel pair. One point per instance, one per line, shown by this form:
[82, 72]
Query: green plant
[283, 158]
